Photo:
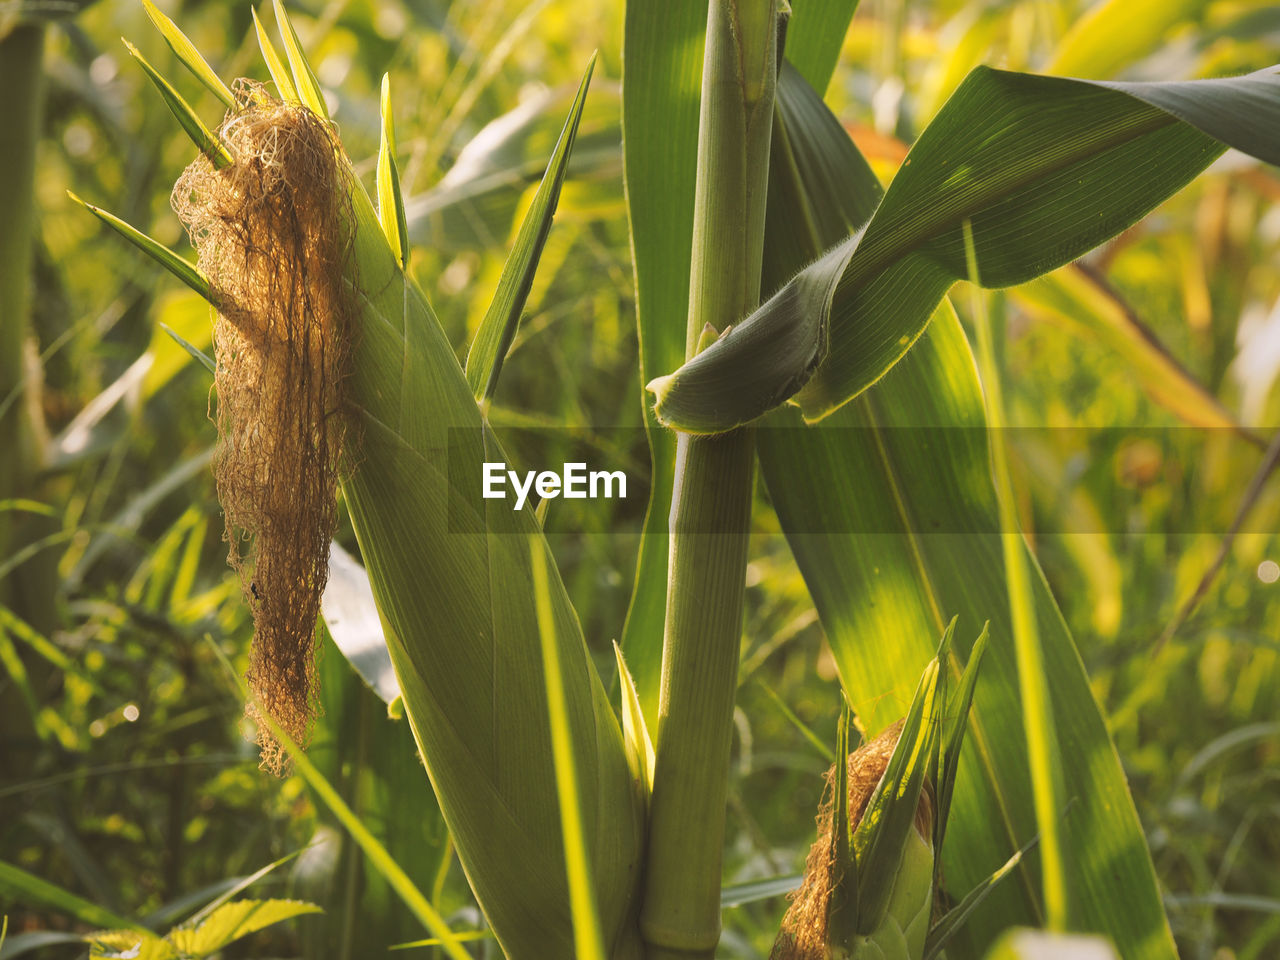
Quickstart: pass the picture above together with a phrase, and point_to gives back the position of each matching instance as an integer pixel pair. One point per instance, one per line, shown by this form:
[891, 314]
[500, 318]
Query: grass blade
[498, 329]
[844, 908]
[588, 942]
[1033, 681]
[200, 135]
[184, 270]
[190, 57]
[29, 890]
[373, 849]
[662, 42]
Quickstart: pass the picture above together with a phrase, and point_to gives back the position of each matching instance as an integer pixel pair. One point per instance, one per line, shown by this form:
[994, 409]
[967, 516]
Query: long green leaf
[451, 576]
[304, 78]
[184, 270]
[275, 66]
[662, 64]
[883, 583]
[200, 135]
[815, 34]
[1033, 681]
[189, 55]
[582, 902]
[26, 889]
[1045, 168]
[498, 329]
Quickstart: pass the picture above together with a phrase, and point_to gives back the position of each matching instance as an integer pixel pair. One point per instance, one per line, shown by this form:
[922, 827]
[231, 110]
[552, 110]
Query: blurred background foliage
[1145, 381]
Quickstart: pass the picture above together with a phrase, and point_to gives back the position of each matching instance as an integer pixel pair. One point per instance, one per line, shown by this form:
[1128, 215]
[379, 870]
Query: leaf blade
[498, 329]
[189, 54]
[1045, 168]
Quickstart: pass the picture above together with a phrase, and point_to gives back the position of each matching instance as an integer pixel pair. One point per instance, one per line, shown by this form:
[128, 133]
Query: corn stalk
[712, 505]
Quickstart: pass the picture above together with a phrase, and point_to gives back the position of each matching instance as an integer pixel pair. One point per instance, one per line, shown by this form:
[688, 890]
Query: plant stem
[29, 590]
[711, 508]
[20, 117]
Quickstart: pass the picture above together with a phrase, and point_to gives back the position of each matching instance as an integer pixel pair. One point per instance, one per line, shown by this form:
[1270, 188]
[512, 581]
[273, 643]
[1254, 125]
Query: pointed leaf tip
[502, 320]
[391, 213]
[183, 269]
[189, 55]
[304, 78]
[200, 135]
[275, 66]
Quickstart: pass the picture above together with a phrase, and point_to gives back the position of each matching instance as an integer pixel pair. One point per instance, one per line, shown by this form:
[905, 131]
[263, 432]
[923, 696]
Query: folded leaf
[1045, 168]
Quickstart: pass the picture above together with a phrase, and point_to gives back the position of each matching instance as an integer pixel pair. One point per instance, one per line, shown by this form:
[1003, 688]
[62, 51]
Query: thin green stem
[711, 507]
[1037, 708]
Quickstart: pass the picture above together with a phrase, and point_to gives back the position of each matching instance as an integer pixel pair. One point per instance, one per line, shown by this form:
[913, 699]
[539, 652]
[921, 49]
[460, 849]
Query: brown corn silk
[803, 934]
[274, 233]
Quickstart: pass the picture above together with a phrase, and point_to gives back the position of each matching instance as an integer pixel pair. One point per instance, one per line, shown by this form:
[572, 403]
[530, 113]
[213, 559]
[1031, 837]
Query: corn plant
[792, 313]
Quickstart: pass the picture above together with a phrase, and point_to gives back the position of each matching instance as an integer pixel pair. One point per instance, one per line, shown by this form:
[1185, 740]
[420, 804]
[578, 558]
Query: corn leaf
[390, 202]
[881, 581]
[498, 329]
[195, 352]
[843, 909]
[1045, 168]
[191, 57]
[475, 204]
[815, 34]
[304, 78]
[275, 66]
[200, 135]
[587, 941]
[451, 575]
[634, 730]
[662, 57]
[890, 813]
[184, 270]
[952, 738]
[1033, 682]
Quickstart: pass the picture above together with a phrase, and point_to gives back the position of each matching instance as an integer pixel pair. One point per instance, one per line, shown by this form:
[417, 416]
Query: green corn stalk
[713, 484]
[453, 575]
